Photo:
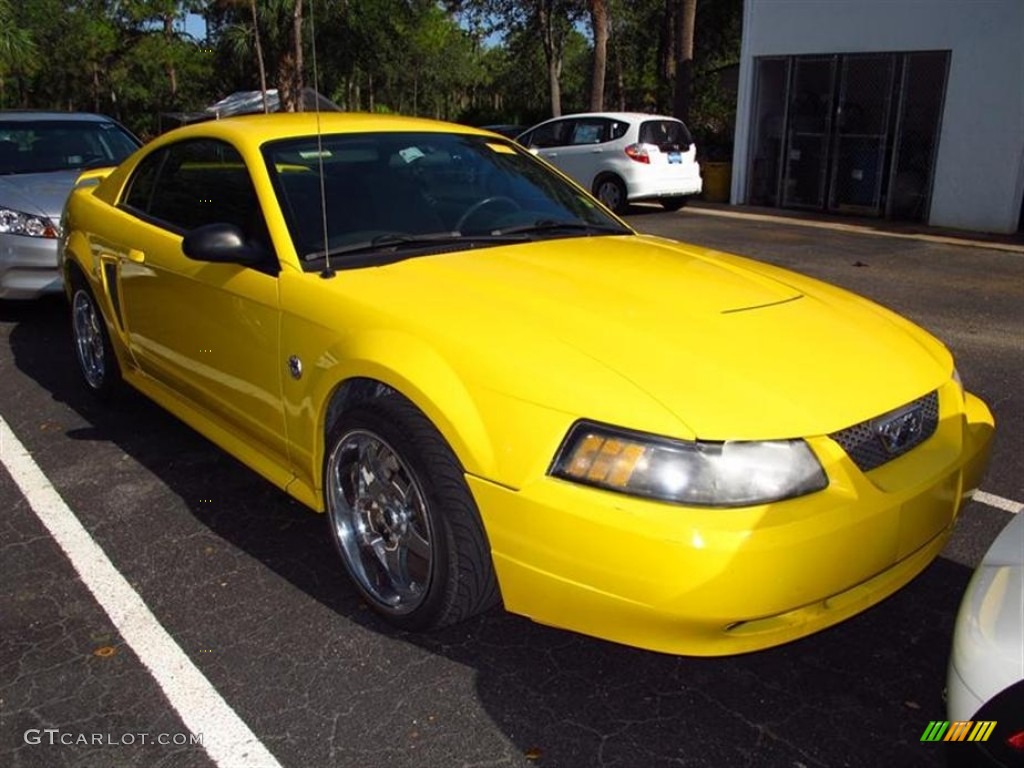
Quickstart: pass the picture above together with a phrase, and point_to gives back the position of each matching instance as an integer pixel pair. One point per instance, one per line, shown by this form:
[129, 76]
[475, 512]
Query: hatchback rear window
[667, 135]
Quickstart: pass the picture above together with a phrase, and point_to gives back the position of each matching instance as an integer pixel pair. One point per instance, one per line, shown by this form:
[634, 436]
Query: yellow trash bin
[717, 181]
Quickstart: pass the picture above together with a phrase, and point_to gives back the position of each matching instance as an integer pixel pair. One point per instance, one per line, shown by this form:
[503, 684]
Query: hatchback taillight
[638, 152]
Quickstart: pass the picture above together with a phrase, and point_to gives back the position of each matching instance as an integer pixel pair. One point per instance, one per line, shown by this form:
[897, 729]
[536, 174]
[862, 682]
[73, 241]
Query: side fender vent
[110, 278]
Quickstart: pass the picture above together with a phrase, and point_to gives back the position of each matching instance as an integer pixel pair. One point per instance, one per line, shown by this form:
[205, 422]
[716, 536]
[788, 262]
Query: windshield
[393, 192]
[43, 146]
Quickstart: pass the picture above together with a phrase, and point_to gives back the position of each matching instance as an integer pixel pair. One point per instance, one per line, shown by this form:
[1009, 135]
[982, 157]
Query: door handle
[136, 255]
[596, 151]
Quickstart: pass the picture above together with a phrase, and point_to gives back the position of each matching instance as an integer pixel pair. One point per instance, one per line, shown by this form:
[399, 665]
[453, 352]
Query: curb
[862, 229]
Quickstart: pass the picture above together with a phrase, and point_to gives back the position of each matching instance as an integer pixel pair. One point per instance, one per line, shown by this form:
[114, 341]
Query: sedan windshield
[402, 194]
[45, 146]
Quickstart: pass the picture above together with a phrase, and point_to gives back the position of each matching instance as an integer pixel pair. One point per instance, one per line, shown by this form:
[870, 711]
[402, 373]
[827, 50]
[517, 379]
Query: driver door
[585, 150]
[207, 332]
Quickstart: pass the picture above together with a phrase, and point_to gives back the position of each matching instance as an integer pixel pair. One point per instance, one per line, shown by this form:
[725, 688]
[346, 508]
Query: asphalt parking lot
[293, 671]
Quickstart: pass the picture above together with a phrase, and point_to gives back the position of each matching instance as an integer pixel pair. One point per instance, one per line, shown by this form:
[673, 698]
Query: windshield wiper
[394, 241]
[552, 225]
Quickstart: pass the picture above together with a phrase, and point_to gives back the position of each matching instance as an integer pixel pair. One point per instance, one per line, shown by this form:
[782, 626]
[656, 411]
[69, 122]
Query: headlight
[14, 222]
[728, 474]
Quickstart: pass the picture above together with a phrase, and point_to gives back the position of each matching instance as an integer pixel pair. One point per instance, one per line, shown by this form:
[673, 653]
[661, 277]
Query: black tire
[94, 353]
[673, 203]
[420, 502]
[612, 192]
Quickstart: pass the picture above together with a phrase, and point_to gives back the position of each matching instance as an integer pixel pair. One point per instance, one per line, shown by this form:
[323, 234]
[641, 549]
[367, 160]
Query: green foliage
[19, 55]
[476, 61]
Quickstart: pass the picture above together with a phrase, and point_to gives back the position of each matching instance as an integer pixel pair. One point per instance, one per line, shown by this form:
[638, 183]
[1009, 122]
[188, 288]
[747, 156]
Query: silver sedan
[41, 156]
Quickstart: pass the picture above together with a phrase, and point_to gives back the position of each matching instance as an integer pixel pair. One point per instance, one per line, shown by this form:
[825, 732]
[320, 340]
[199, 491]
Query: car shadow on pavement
[858, 694]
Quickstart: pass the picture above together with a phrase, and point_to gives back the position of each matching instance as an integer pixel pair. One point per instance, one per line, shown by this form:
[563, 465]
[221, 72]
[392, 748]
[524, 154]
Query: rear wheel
[612, 192]
[403, 519]
[672, 203]
[93, 350]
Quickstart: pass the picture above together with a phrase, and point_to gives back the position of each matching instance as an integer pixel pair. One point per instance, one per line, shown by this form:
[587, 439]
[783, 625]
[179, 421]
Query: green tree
[269, 33]
[19, 54]
[551, 21]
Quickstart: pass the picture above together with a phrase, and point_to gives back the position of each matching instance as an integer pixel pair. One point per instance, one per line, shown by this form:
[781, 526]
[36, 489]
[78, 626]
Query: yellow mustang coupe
[498, 392]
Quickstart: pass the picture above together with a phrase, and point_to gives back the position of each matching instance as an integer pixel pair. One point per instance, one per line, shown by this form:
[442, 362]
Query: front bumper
[28, 267]
[712, 582]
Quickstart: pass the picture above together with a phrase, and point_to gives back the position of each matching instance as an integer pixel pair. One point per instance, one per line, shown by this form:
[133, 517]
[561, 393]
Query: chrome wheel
[380, 522]
[87, 326]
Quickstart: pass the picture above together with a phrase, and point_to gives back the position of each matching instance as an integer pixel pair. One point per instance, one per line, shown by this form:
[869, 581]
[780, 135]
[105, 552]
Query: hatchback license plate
[675, 157]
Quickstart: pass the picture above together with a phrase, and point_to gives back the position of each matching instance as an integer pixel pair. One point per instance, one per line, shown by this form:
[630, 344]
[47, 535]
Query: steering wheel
[480, 204]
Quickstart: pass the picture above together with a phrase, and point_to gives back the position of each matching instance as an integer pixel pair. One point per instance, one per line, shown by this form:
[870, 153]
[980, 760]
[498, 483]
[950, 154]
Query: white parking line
[1007, 505]
[226, 739]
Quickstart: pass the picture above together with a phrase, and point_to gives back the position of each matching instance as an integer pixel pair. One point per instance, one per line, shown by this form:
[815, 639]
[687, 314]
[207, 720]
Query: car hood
[731, 348]
[37, 193]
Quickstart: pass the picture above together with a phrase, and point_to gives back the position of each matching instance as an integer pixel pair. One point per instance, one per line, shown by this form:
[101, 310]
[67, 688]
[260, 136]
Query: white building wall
[979, 171]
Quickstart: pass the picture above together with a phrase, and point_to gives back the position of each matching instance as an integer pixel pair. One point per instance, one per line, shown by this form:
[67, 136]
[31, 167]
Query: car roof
[255, 130]
[30, 116]
[624, 116]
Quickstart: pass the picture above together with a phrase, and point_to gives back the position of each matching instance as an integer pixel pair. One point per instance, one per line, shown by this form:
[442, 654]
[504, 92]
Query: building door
[847, 133]
[922, 89]
[809, 132]
[860, 138]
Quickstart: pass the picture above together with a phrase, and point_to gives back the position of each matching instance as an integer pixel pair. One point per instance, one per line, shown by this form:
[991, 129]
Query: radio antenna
[327, 272]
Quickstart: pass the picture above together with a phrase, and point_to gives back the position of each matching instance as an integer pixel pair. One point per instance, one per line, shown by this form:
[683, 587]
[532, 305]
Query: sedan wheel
[403, 519]
[93, 351]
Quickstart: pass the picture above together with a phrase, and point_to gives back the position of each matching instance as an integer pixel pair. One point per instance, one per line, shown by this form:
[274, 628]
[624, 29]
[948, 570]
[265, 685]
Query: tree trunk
[552, 54]
[555, 86]
[259, 55]
[172, 72]
[286, 82]
[600, 21]
[620, 78]
[684, 58]
[667, 46]
[297, 74]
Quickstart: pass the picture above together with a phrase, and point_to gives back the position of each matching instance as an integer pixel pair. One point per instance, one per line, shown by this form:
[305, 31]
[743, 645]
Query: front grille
[865, 444]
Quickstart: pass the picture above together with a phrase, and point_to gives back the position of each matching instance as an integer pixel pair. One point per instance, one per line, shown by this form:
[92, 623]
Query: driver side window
[193, 183]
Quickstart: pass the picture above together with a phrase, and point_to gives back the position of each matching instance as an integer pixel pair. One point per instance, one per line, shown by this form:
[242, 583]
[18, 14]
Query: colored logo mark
[966, 730]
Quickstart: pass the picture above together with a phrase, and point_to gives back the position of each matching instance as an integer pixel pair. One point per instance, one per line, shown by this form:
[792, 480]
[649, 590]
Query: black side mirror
[221, 243]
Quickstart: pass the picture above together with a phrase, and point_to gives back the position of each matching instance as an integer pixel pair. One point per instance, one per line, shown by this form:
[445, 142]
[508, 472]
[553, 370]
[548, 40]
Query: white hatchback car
[622, 157]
